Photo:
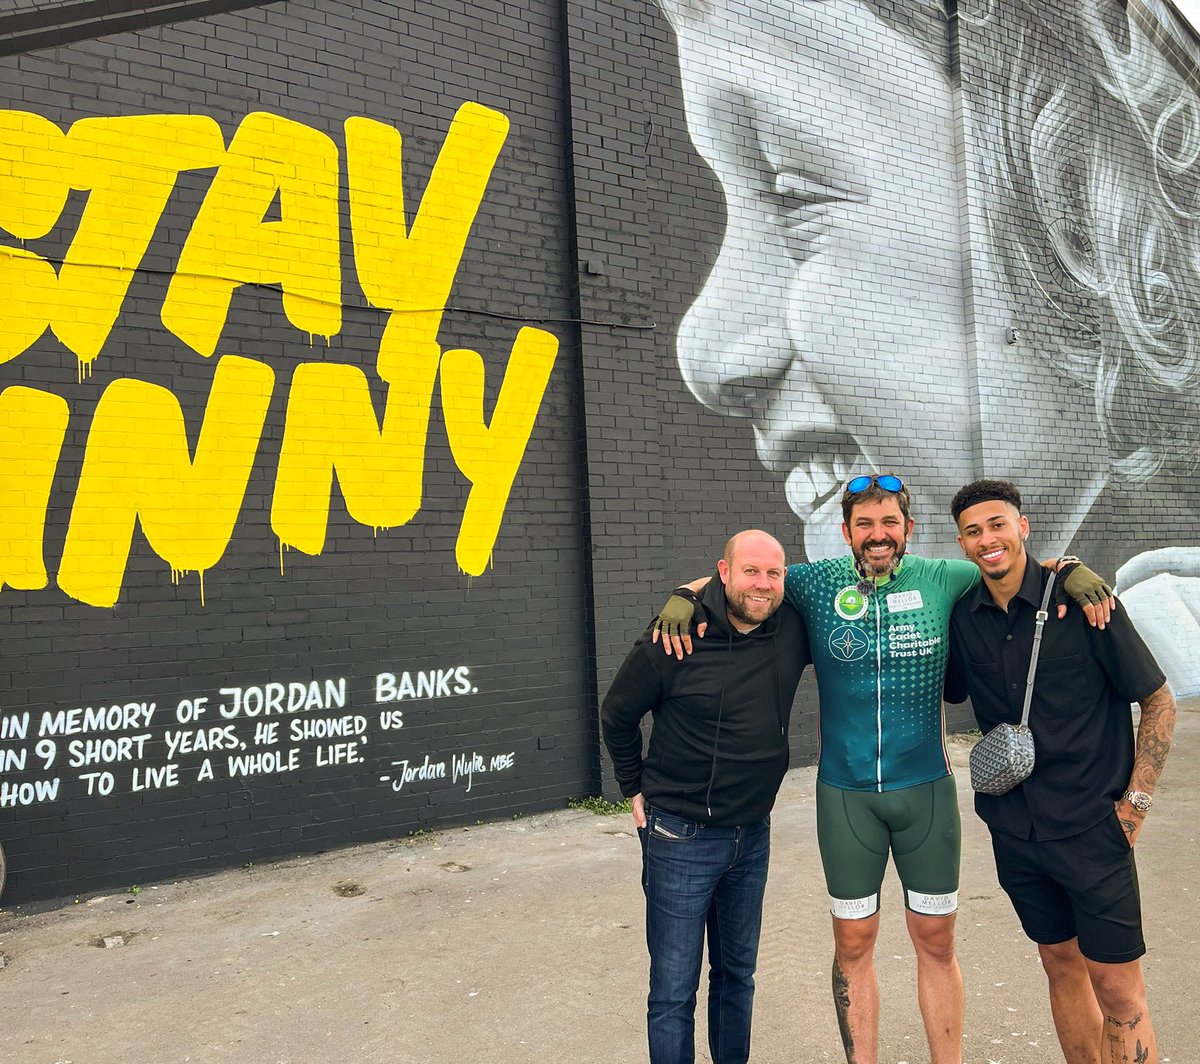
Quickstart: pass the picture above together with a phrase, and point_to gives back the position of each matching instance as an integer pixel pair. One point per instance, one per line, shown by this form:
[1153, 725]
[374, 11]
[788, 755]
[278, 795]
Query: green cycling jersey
[880, 659]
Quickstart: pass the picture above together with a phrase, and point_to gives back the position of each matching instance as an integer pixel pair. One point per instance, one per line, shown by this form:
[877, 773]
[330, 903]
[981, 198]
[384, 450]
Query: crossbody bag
[1005, 756]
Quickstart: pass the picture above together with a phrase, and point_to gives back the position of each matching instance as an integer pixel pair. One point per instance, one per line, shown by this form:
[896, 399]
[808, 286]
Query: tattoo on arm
[841, 1002]
[1153, 739]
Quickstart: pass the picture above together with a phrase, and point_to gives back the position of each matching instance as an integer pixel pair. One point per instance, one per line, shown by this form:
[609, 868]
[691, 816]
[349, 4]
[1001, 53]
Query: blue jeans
[699, 878]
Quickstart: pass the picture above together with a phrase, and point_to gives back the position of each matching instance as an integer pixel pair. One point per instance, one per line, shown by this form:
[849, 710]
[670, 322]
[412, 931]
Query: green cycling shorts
[918, 825]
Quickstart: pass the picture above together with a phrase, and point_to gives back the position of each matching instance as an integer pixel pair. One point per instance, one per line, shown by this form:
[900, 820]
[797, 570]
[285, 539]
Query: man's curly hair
[984, 491]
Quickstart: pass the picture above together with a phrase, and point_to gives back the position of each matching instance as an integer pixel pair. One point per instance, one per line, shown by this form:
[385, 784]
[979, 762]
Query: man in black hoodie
[702, 795]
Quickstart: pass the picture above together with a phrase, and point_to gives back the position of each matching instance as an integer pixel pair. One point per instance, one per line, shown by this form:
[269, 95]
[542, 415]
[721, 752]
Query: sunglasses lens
[887, 482]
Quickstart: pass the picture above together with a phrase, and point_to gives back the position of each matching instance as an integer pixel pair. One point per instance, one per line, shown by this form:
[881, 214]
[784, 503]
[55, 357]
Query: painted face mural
[842, 270]
[877, 302]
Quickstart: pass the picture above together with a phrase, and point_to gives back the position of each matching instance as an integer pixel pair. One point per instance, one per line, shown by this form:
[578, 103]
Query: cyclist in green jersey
[878, 624]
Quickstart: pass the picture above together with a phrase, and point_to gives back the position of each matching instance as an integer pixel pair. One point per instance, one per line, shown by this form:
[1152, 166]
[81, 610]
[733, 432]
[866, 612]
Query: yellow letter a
[231, 245]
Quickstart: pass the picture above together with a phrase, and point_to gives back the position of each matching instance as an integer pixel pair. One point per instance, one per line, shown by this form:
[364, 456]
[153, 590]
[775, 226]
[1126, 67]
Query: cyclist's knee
[854, 940]
[932, 936]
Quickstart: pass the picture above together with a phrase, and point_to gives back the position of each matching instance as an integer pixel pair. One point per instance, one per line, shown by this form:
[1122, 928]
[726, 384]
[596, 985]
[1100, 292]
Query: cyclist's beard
[878, 570]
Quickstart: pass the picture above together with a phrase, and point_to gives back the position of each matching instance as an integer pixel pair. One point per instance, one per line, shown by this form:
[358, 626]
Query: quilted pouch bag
[1005, 756]
[1002, 758]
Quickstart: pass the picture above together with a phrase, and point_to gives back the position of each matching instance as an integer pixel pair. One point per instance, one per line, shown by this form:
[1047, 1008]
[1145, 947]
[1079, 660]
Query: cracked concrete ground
[522, 942]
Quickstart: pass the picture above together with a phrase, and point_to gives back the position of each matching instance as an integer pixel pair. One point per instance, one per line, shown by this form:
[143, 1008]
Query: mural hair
[1092, 170]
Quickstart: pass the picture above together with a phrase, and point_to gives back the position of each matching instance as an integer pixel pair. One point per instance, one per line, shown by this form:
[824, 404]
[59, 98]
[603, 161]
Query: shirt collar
[1032, 585]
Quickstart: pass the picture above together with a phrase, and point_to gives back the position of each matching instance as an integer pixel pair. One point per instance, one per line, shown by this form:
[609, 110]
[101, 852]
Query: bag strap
[1038, 625]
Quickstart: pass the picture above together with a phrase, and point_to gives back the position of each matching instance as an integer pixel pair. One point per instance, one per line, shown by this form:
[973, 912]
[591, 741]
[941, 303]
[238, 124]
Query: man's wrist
[1138, 800]
[1066, 562]
[687, 593]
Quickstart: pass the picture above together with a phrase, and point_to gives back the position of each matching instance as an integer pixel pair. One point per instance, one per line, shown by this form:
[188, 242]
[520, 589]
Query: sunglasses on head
[887, 482]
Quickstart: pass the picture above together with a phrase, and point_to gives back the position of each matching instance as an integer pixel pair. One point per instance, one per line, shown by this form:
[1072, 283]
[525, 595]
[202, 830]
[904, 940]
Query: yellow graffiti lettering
[30, 289]
[34, 174]
[138, 467]
[489, 455]
[230, 243]
[411, 271]
[131, 165]
[32, 427]
[34, 184]
[332, 426]
[269, 217]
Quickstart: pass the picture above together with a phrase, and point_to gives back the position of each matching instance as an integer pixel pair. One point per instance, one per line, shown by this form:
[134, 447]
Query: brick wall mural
[369, 371]
[958, 242]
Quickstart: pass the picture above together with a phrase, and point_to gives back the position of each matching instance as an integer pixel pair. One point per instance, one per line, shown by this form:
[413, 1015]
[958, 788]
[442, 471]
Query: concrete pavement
[522, 942]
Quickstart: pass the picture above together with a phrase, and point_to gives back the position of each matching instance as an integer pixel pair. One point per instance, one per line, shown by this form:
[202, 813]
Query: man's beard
[873, 571]
[737, 609]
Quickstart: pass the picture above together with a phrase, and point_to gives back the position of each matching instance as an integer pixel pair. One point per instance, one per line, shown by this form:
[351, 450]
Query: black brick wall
[371, 602]
[863, 321]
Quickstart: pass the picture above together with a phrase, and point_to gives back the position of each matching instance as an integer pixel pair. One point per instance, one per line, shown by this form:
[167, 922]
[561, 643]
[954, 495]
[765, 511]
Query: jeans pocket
[670, 828]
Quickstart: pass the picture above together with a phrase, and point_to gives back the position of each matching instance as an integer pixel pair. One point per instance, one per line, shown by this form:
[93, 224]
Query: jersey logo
[848, 642]
[899, 601]
[850, 604]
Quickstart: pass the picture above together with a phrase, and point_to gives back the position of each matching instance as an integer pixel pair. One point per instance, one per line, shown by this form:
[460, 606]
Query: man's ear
[846, 533]
[723, 570]
[1023, 528]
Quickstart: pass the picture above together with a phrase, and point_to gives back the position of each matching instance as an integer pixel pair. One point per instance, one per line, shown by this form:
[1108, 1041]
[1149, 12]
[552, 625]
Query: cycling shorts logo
[848, 642]
[850, 604]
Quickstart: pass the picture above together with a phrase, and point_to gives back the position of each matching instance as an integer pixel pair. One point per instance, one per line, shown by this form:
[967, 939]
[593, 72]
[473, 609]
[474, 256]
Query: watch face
[1139, 800]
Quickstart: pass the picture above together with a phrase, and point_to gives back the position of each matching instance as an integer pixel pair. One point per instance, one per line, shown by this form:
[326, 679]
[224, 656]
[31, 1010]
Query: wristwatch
[1065, 560]
[1140, 800]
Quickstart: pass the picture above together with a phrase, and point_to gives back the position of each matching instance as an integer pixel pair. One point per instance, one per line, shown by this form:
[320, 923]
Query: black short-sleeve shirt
[1080, 715]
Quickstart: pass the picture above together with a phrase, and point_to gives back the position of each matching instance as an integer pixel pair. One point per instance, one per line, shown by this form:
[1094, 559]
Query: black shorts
[1082, 887]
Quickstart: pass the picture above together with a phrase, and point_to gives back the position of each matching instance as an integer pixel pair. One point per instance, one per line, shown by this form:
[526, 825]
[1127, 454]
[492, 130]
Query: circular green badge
[850, 603]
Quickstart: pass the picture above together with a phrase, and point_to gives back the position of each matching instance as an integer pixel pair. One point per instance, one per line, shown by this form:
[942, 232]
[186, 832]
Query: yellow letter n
[138, 467]
[33, 425]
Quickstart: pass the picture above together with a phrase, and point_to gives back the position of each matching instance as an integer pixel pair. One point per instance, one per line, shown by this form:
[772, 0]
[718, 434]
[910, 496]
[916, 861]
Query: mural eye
[744, 396]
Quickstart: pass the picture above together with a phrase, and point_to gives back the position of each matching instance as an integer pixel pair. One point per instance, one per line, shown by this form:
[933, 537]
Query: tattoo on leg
[1131, 1024]
[841, 1002]
[1141, 1055]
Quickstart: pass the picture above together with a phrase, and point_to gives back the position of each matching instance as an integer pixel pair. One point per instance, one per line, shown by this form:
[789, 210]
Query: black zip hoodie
[718, 747]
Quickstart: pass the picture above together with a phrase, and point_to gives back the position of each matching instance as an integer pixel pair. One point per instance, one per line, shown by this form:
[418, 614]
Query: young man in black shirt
[1063, 839]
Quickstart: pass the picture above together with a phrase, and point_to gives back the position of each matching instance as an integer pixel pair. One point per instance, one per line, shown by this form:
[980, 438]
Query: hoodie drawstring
[712, 772]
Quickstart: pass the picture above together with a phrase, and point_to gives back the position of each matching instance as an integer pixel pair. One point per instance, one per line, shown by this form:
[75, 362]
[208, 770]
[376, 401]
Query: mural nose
[728, 370]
